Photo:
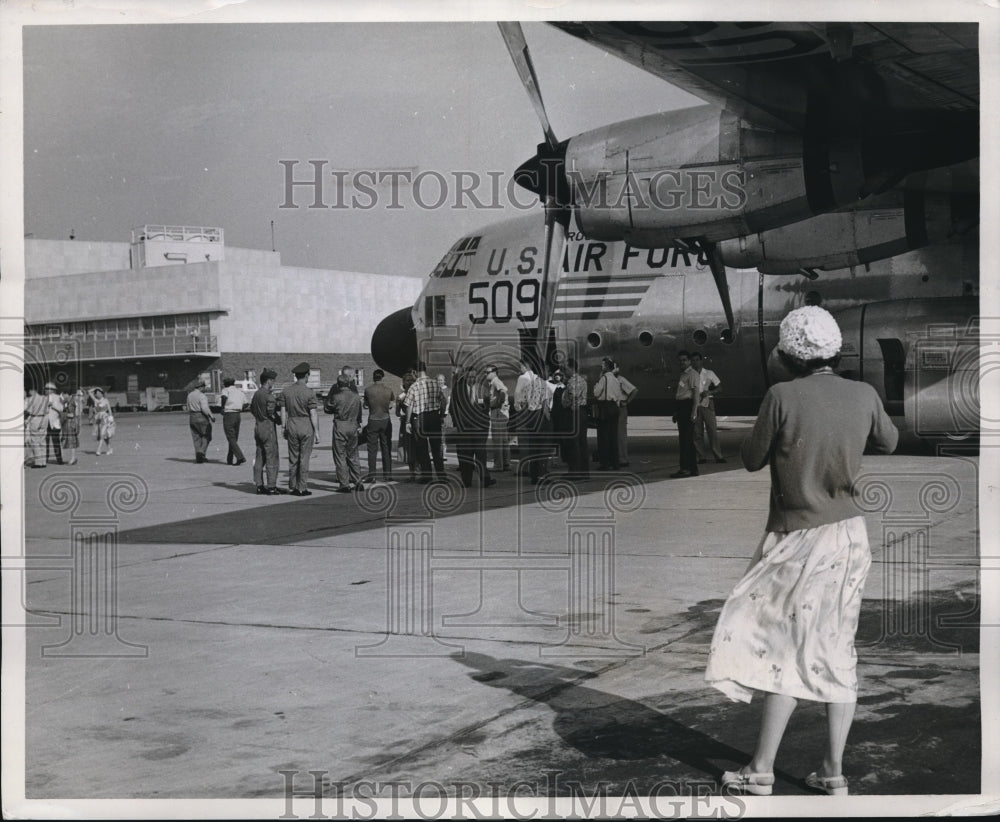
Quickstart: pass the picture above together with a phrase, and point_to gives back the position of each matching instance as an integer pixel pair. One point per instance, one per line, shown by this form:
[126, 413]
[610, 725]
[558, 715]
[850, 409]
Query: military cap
[268, 374]
[301, 368]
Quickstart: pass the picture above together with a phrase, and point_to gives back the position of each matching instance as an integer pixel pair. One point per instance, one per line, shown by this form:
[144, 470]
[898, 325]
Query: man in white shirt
[609, 396]
[54, 422]
[628, 391]
[685, 415]
[708, 384]
[529, 400]
[232, 400]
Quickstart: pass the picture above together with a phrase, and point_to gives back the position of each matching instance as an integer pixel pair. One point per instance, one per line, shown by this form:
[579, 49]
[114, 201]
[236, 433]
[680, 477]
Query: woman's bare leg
[777, 710]
[839, 716]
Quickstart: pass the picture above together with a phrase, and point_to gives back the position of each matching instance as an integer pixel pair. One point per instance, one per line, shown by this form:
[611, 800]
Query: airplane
[833, 164]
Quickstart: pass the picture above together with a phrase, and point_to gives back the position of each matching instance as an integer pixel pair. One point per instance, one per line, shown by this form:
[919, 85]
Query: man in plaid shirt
[424, 403]
[574, 400]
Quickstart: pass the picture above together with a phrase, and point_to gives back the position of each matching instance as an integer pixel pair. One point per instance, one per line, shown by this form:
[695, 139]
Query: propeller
[718, 268]
[545, 175]
[711, 252]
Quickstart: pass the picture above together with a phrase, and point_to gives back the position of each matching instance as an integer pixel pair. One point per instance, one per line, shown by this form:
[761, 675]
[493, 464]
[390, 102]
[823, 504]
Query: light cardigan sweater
[812, 431]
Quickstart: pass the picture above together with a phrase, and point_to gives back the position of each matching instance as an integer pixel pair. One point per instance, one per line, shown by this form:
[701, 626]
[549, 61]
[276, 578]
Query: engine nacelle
[702, 172]
[882, 226]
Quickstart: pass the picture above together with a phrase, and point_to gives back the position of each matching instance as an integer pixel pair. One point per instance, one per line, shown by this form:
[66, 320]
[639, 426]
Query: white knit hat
[810, 333]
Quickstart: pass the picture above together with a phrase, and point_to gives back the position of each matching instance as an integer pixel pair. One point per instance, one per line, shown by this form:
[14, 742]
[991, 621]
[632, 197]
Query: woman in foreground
[787, 629]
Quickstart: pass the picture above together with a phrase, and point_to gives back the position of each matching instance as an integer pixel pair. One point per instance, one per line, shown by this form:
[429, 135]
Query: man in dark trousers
[529, 400]
[684, 416]
[574, 400]
[423, 420]
[471, 415]
[299, 415]
[378, 401]
[200, 419]
[232, 410]
[345, 405]
[264, 408]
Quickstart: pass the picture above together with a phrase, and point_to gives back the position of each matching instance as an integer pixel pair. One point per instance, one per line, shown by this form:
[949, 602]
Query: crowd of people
[786, 629]
[548, 417]
[52, 423]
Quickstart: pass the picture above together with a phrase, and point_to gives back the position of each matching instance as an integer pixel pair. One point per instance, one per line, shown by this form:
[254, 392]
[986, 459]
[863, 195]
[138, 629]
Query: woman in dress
[105, 428]
[787, 629]
[72, 411]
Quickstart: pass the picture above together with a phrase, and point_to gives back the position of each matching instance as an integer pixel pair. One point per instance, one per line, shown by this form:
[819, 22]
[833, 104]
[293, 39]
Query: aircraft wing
[771, 74]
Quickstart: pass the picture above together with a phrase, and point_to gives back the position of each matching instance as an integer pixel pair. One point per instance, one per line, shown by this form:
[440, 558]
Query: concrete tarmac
[191, 639]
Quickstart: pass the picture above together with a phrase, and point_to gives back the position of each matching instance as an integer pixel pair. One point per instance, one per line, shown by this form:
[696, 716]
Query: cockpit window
[456, 262]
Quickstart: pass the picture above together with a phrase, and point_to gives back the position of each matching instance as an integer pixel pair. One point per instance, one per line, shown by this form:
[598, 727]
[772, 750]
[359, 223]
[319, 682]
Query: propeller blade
[718, 268]
[513, 36]
[556, 225]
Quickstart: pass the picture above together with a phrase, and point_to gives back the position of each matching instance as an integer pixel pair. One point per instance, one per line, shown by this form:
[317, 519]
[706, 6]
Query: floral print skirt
[788, 626]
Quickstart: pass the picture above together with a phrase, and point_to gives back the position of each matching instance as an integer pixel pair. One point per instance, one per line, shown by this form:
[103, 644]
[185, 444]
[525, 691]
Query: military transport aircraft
[835, 164]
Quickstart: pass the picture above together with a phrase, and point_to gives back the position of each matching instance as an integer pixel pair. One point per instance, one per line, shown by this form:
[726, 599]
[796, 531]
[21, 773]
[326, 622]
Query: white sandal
[831, 785]
[758, 784]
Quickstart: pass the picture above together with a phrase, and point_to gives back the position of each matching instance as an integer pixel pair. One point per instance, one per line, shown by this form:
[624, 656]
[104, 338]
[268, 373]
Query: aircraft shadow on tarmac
[286, 518]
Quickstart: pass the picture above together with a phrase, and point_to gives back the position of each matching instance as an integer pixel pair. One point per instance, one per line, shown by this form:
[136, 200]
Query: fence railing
[67, 349]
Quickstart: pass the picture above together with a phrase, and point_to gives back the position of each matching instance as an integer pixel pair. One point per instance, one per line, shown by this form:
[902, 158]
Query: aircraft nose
[394, 343]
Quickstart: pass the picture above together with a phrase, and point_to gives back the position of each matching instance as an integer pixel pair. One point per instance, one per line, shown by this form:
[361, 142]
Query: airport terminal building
[176, 302]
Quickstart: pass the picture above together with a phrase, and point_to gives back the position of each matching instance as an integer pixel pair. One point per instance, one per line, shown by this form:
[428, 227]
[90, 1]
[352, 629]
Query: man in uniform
[299, 416]
[264, 409]
[378, 401]
[200, 419]
[345, 405]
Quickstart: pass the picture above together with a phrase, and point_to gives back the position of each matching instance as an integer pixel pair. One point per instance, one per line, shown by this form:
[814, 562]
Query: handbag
[363, 435]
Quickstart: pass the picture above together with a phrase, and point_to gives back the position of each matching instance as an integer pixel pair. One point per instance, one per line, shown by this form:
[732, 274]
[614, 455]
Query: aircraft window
[646, 339]
[814, 298]
[727, 336]
[594, 339]
[434, 313]
[700, 337]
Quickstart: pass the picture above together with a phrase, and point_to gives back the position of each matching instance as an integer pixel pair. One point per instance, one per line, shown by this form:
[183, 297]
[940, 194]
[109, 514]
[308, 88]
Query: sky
[188, 124]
